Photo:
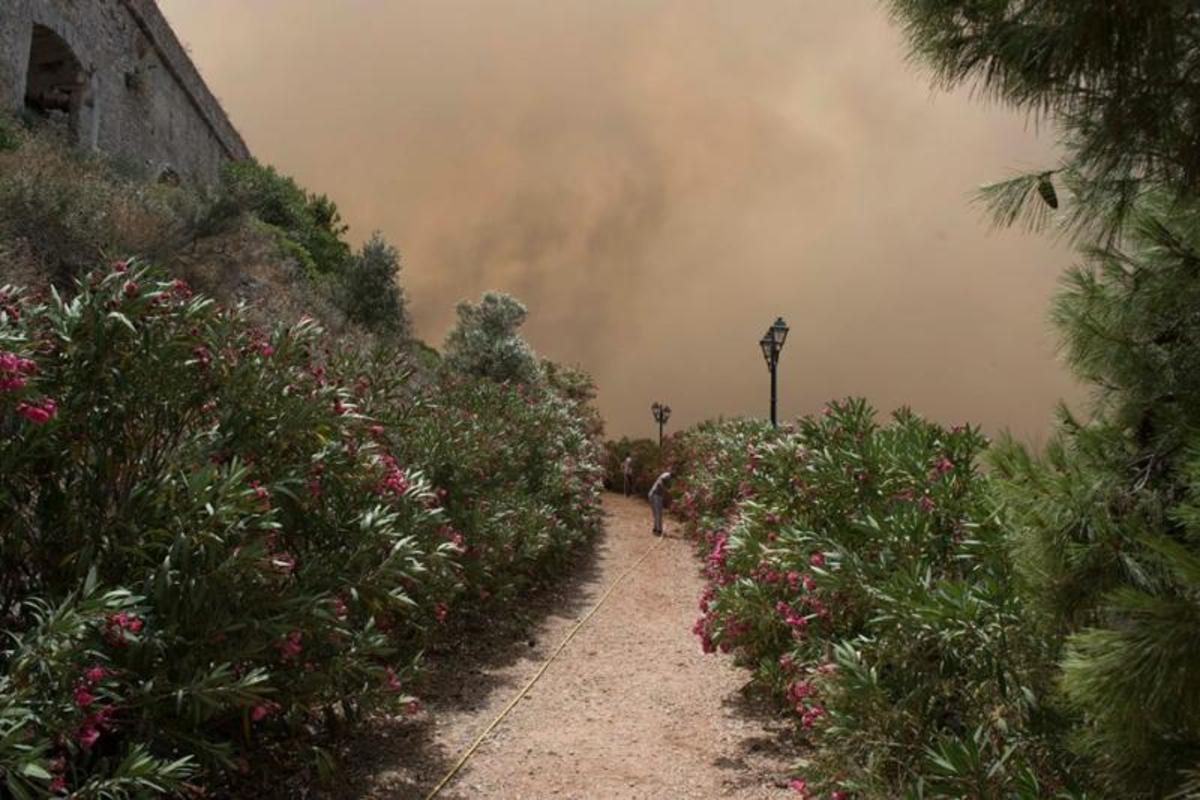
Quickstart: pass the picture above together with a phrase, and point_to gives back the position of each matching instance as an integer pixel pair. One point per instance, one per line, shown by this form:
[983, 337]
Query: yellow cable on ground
[541, 670]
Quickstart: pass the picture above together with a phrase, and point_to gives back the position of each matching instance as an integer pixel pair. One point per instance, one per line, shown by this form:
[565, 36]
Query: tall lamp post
[772, 344]
[661, 414]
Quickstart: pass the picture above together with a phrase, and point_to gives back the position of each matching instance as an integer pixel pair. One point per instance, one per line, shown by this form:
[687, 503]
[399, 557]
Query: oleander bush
[518, 475]
[861, 572]
[220, 538]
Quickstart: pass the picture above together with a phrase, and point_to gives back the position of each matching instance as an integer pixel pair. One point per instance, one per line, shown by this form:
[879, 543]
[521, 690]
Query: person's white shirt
[656, 489]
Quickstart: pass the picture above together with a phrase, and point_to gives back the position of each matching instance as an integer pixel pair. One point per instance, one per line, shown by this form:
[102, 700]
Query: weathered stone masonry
[113, 72]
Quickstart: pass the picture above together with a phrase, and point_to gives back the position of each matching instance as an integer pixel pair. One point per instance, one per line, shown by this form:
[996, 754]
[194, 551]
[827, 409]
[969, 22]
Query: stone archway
[56, 83]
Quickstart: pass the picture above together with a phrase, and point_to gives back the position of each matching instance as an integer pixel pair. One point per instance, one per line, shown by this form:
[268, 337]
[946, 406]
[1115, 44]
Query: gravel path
[630, 709]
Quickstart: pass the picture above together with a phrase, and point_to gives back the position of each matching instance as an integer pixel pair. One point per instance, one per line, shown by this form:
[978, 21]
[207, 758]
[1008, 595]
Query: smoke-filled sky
[658, 180]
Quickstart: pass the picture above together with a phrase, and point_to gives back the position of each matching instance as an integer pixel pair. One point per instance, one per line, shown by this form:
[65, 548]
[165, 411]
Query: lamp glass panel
[779, 332]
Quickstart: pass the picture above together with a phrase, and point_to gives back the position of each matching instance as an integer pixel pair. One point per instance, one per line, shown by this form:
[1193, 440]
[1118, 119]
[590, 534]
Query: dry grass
[63, 213]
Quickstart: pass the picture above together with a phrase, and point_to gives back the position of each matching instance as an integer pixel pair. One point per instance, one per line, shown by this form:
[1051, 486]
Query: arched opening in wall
[55, 82]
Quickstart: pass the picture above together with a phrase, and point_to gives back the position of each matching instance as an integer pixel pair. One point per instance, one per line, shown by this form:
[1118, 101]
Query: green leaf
[124, 320]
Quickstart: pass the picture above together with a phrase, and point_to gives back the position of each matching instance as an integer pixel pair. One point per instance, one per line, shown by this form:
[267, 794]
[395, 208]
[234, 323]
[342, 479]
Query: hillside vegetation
[231, 529]
[256, 237]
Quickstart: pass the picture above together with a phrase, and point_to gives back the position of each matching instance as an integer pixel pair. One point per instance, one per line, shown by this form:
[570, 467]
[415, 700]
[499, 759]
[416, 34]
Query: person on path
[627, 469]
[657, 493]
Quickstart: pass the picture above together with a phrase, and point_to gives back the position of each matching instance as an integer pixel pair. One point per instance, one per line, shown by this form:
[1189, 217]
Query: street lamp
[661, 414]
[772, 344]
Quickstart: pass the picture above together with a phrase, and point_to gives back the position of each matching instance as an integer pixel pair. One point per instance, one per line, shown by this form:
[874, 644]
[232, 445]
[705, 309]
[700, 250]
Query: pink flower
[440, 612]
[817, 607]
[202, 356]
[95, 674]
[262, 495]
[927, 505]
[87, 736]
[817, 559]
[291, 647]
[838, 796]
[102, 717]
[799, 787]
[117, 624]
[38, 414]
[413, 708]
[799, 690]
[393, 681]
[83, 698]
[942, 466]
[263, 710]
[13, 371]
[131, 289]
[811, 716]
[394, 480]
[340, 610]
[58, 785]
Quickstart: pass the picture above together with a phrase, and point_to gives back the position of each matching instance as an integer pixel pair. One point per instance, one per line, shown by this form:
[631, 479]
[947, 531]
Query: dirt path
[630, 709]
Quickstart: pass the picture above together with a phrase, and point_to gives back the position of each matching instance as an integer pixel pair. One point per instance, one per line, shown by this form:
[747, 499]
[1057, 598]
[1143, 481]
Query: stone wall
[115, 76]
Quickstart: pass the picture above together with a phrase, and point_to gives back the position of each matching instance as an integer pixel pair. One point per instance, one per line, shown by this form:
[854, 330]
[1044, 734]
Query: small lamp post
[661, 414]
[772, 344]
